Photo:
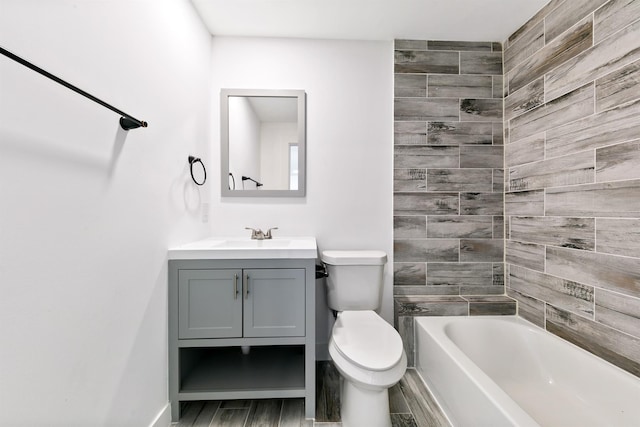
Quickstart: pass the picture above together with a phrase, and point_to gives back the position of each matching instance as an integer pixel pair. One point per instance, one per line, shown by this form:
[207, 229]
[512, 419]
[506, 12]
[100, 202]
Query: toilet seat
[367, 340]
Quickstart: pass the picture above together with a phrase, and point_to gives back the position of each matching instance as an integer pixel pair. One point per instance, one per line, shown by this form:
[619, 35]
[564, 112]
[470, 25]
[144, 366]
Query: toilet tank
[355, 279]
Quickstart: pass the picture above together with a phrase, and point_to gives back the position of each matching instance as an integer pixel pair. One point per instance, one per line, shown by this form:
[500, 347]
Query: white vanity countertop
[245, 248]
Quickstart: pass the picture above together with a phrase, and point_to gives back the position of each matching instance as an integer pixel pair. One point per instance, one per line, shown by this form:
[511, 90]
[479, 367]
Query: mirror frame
[224, 141]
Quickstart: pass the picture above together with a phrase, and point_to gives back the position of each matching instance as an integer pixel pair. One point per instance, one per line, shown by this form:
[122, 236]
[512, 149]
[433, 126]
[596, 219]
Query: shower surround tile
[431, 306]
[459, 179]
[607, 55]
[412, 274]
[614, 15]
[498, 87]
[609, 127]
[481, 203]
[428, 109]
[498, 227]
[522, 254]
[460, 274]
[526, 150]
[498, 305]
[612, 345]
[568, 14]
[481, 63]
[459, 45]
[528, 43]
[524, 99]
[617, 311]
[611, 272]
[618, 87]
[410, 226]
[410, 45]
[481, 250]
[529, 308]
[420, 61]
[459, 226]
[618, 236]
[409, 180]
[480, 110]
[410, 85]
[410, 133]
[534, 20]
[567, 108]
[576, 40]
[576, 233]
[426, 203]
[566, 294]
[415, 156]
[568, 170]
[462, 160]
[459, 86]
[478, 156]
[498, 180]
[619, 199]
[618, 162]
[405, 327]
[524, 203]
[401, 290]
[459, 133]
[419, 250]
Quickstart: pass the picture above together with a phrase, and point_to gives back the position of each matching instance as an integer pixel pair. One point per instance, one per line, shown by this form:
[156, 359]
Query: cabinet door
[209, 303]
[274, 304]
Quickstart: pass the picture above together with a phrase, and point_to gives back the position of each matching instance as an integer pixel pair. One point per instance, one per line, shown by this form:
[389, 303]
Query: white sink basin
[239, 248]
[253, 244]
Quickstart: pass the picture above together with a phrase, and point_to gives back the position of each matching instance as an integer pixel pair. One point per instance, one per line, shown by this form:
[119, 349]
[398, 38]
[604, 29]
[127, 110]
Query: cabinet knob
[246, 287]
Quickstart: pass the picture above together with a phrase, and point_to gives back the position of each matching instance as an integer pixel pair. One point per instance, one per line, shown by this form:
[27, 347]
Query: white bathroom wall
[349, 87]
[87, 210]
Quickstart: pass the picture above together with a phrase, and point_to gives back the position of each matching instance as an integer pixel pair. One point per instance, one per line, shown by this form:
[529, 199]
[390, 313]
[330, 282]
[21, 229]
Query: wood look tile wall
[572, 174]
[449, 181]
[448, 172]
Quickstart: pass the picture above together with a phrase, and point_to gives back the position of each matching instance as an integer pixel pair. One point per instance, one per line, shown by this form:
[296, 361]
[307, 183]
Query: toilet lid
[354, 257]
[367, 340]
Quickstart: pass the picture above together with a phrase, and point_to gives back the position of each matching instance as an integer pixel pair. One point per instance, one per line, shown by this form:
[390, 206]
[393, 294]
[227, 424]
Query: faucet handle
[254, 232]
[268, 233]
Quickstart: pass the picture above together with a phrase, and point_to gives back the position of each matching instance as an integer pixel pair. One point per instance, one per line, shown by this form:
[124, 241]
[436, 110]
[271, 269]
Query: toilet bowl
[366, 350]
[368, 353]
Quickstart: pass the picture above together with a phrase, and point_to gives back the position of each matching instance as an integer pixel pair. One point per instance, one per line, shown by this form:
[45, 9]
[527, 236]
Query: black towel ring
[193, 160]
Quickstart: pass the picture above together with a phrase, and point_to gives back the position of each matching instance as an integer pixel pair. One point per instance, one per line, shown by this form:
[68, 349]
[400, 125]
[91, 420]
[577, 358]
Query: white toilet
[365, 349]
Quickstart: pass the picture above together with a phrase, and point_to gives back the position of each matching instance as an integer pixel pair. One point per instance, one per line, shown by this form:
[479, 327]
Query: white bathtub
[504, 371]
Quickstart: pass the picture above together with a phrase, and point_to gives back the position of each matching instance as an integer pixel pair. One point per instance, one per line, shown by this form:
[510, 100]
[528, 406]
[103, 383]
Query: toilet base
[362, 407]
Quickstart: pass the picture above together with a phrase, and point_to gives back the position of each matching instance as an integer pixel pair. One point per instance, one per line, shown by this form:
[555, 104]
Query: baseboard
[164, 417]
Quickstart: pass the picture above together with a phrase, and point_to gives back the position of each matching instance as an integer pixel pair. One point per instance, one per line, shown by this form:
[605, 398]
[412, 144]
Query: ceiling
[460, 20]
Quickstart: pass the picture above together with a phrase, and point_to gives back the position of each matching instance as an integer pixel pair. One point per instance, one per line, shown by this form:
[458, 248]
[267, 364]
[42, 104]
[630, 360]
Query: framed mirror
[263, 143]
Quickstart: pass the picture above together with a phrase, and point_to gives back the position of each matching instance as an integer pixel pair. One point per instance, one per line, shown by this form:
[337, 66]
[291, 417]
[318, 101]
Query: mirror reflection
[263, 142]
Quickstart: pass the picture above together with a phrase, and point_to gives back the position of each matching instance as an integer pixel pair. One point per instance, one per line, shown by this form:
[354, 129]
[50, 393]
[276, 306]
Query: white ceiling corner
[461, 20]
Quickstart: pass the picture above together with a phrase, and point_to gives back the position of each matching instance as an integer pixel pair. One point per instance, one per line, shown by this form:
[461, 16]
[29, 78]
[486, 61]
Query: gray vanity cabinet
[234, 303]
[241, 329]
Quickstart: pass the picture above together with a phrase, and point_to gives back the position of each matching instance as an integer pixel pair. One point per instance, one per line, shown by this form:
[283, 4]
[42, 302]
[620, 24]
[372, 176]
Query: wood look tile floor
[410, 404]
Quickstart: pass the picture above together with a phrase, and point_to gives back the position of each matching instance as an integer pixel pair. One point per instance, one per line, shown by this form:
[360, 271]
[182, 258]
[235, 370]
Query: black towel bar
[126, 121]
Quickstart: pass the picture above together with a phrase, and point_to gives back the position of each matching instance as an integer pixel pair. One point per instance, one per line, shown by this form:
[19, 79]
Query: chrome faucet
[259, 234]
[268, 234]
